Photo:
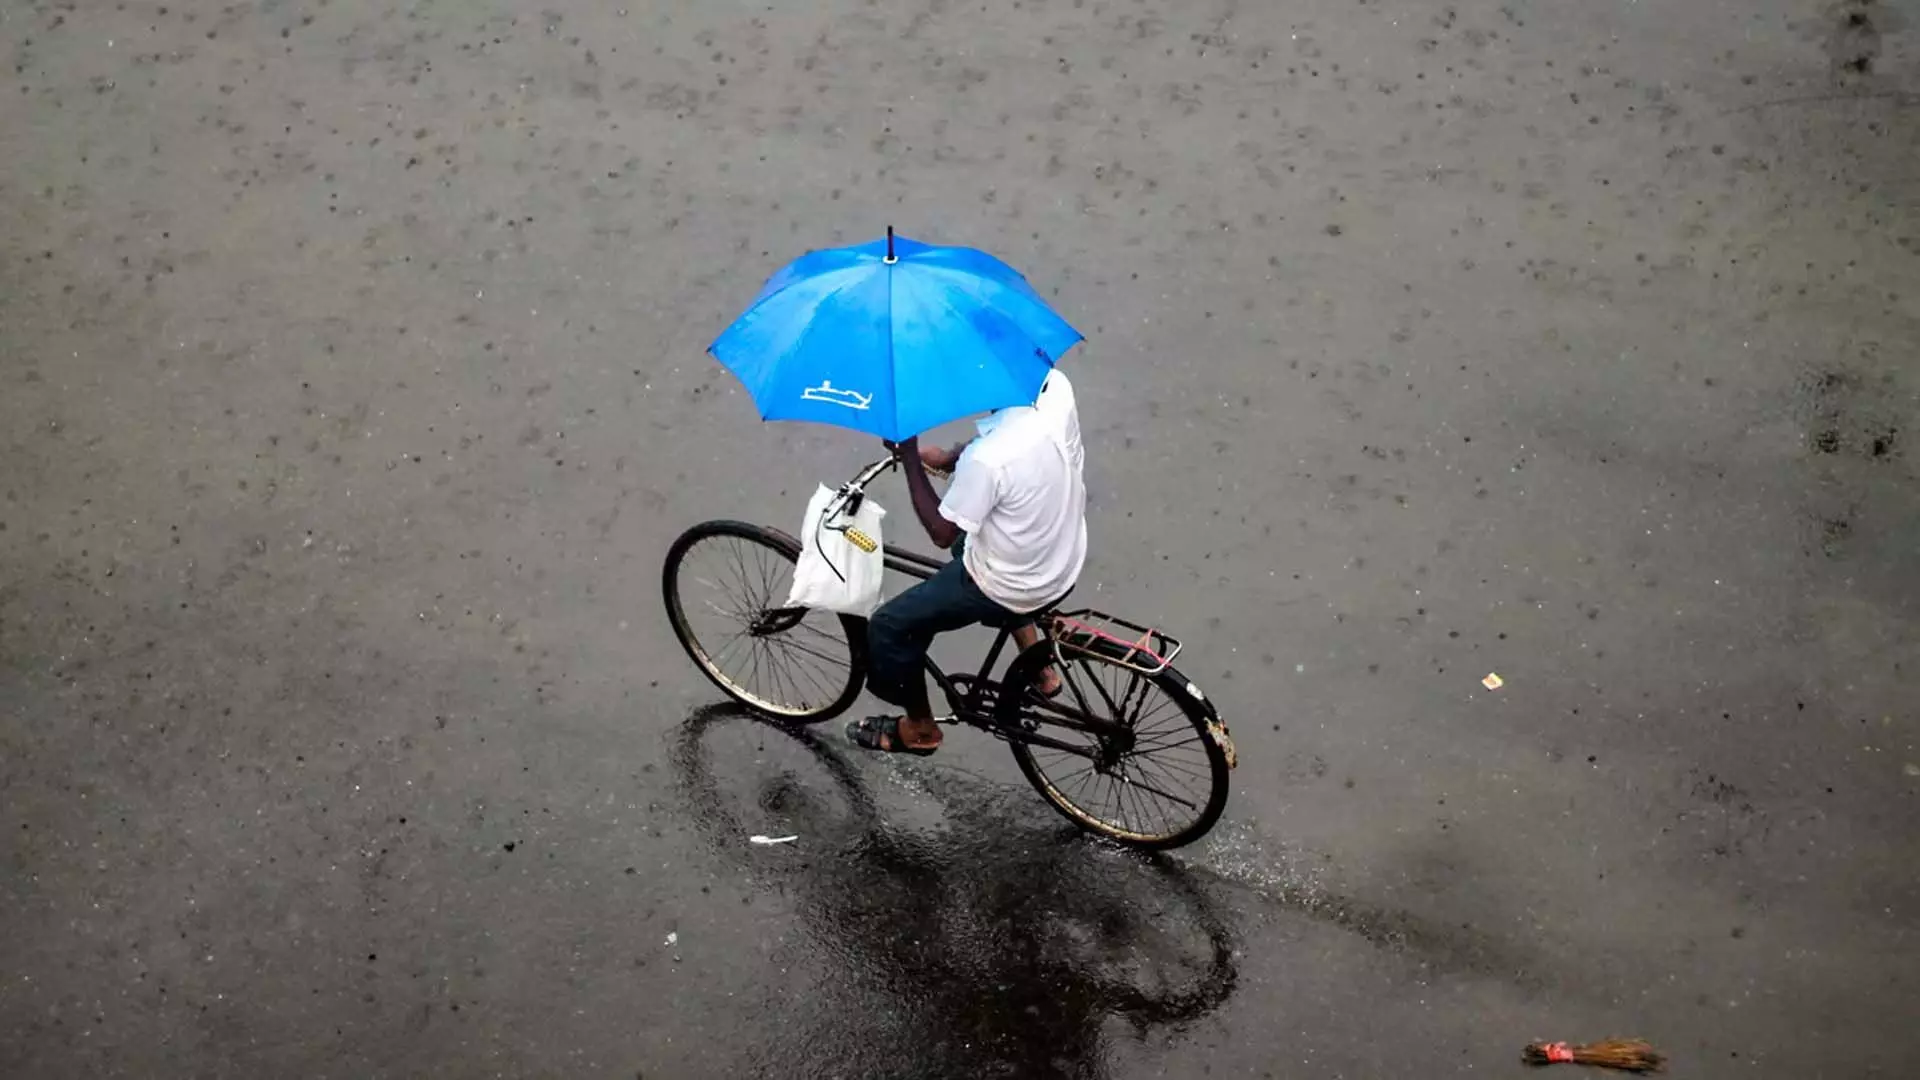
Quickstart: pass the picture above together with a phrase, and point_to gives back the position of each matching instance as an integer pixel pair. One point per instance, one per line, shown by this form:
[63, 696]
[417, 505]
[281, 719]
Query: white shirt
[1019, 493]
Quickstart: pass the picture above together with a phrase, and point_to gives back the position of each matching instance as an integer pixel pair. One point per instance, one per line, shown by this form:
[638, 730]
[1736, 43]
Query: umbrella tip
[891, 257]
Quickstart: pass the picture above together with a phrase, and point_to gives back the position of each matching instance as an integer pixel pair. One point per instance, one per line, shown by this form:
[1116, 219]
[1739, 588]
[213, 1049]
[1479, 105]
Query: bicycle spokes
[730, 587]
[1140, 767]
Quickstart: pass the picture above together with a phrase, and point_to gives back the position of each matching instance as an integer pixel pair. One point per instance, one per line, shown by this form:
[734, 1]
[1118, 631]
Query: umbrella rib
[945, 300]
[969, 283]
[762, 301]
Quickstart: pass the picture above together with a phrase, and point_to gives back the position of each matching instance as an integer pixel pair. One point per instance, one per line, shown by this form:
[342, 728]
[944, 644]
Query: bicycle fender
[1216, 725]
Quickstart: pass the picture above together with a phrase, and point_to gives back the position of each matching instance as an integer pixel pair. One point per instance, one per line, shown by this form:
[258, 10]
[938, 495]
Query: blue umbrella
[893, 338]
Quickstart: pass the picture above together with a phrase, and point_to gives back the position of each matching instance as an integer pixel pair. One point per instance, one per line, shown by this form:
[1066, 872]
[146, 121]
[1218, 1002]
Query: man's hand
[939, 459]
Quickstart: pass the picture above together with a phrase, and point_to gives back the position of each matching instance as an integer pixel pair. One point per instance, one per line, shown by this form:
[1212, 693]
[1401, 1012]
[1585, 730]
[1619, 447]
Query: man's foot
[895, 735]
[1049, 684]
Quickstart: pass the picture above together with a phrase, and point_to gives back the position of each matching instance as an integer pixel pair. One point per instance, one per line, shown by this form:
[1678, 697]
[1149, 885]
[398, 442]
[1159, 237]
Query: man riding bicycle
[1014, 517]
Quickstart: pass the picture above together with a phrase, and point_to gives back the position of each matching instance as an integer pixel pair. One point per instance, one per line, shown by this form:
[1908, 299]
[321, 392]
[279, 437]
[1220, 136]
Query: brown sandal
[882, 735]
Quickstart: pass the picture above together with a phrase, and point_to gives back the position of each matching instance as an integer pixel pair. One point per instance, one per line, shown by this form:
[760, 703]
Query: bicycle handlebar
[869, 474]
[854, 492]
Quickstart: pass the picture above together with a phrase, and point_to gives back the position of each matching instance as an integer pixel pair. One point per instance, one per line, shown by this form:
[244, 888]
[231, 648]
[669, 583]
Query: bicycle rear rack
[1142, 648]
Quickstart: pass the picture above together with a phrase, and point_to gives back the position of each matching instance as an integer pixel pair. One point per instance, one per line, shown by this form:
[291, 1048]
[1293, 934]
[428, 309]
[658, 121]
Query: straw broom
[1629, 1055]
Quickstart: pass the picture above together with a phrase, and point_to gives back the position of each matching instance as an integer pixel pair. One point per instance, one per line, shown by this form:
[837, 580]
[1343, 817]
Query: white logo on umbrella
[852, 399]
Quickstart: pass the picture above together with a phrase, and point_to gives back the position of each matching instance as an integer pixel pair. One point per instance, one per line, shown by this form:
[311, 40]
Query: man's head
[994, 417]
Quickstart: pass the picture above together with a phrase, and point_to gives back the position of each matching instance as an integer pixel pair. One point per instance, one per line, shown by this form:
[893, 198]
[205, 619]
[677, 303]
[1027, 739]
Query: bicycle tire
[833, 694]
[1021, 705]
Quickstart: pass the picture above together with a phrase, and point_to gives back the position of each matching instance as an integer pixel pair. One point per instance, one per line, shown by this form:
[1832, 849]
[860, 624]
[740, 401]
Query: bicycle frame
[974, 698]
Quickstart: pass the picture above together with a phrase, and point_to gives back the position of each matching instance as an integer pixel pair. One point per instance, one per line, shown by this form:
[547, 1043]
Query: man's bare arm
[926, 501]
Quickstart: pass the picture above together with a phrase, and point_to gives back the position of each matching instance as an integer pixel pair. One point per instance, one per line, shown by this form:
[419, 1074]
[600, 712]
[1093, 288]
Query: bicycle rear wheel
[723, 583]
[1159, 781]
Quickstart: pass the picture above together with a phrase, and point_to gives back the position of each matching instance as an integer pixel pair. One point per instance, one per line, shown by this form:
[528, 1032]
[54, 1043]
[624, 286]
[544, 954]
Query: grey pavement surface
[352, 389]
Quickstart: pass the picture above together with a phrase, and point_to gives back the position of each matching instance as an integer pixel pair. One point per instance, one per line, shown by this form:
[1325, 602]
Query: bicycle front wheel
[1146, 767]
[724, 582]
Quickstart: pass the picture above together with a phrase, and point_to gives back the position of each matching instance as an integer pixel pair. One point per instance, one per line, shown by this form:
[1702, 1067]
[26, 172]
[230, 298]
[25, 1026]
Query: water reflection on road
[990, 943]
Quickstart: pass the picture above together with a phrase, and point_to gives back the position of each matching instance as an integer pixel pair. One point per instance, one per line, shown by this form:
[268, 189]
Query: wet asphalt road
[351, 388]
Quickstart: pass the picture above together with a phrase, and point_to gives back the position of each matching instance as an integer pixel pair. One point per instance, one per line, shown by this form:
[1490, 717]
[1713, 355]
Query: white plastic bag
[834, 573]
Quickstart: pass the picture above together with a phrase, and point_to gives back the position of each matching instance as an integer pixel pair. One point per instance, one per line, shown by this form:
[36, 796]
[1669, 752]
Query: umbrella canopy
[893, 338]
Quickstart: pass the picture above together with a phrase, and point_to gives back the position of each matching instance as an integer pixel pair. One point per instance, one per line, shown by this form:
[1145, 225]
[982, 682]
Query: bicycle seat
[1036, 616]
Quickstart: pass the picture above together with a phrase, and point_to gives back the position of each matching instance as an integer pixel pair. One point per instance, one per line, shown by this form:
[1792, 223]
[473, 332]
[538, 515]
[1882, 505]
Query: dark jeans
[901, 631]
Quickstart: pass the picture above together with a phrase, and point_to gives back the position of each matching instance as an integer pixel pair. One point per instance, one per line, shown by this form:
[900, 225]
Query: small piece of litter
[1492, 681]
[773, 839]
[673, 938]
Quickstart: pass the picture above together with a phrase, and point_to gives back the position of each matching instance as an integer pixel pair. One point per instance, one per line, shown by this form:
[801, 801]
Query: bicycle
[1121, 718]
